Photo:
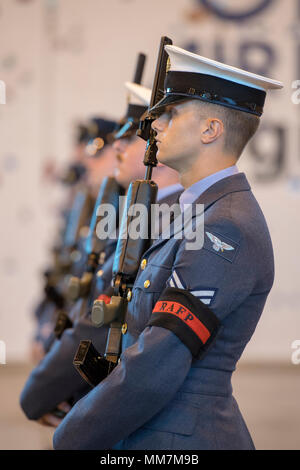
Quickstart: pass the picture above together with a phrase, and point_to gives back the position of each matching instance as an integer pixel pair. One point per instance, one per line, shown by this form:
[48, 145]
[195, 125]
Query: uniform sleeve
[153, 369]
[221, 274]
[45, 322]
[139, 387]
[55, 379]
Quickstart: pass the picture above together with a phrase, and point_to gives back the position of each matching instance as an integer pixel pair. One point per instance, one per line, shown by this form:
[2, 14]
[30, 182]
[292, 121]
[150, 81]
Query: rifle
[109, 193]
[80, 287]
[139, 69]
[64, 254]
[129, 119]
[90, 364]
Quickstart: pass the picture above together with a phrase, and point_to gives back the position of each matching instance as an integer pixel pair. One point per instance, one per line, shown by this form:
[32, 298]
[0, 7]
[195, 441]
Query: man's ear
[211, 130]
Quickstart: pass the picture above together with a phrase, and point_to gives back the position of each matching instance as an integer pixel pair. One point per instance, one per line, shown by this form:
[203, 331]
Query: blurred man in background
[56, 373]
[93, 160]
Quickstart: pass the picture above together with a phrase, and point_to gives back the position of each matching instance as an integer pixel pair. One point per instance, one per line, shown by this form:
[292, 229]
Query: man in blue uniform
[54, 381]
[69, 246]
[192, 311]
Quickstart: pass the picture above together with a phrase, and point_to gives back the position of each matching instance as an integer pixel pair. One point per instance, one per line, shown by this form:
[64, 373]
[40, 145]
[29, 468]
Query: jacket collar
[223, 187]
[228, 185]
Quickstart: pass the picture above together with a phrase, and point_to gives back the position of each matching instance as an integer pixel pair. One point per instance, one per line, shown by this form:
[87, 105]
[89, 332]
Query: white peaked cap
[191, 76]
[139, 100]
[139, 94]
[185, 61]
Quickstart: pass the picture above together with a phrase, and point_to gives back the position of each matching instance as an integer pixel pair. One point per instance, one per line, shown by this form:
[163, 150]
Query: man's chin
[165, 159]
[122, 180]
[161, 156]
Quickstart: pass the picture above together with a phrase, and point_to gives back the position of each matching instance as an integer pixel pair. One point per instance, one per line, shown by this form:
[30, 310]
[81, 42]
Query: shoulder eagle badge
[218, 245]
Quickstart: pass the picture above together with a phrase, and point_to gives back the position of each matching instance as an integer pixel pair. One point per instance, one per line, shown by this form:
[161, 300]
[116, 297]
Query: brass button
[100, 273]
[102, 257]
[124, 328]
[147, 284]
[143, 264]
[129, 295]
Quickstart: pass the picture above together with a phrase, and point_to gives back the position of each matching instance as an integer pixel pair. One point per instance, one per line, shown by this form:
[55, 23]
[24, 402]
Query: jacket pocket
[177, 417]
[147, 290]
[152, 279]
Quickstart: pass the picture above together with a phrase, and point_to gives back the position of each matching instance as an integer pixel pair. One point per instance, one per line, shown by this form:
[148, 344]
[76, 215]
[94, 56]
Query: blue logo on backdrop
[233, 11]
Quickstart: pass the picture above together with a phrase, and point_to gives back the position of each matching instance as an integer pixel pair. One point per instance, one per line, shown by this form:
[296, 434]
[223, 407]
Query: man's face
[130, 155]
[100, 166]
[79, 152]
[178, 135]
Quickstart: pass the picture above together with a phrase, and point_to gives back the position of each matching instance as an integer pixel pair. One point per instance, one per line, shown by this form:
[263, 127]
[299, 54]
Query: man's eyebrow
[169, 107]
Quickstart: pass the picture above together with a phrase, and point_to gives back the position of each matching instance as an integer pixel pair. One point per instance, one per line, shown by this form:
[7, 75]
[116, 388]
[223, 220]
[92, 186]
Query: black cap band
[180, 86]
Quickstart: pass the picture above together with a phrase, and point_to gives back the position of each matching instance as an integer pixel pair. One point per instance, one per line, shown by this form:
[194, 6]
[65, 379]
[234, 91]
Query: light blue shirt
[168, 190]
[193, 192]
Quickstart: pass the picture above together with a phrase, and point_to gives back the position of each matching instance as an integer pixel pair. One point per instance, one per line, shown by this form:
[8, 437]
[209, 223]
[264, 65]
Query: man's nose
[158, 124]
[118, 145]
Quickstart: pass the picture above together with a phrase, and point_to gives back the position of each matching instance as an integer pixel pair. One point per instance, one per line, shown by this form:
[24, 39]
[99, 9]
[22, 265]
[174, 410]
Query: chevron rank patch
[205, 294]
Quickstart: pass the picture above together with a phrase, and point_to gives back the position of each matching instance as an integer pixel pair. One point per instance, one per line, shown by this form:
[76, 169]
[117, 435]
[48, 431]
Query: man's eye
[170, 113]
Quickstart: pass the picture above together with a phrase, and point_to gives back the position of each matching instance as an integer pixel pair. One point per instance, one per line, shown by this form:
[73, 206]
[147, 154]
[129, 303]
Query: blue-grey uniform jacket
[55, 379]
[159, 396]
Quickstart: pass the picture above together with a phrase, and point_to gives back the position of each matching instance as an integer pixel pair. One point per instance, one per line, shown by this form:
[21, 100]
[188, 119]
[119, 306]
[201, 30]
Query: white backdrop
[66, 59]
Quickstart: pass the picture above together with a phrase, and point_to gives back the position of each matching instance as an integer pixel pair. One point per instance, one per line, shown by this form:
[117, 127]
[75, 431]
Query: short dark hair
[239, 126]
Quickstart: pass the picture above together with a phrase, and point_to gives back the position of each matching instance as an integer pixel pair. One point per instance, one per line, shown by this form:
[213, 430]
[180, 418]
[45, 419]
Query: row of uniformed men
[191, 312]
